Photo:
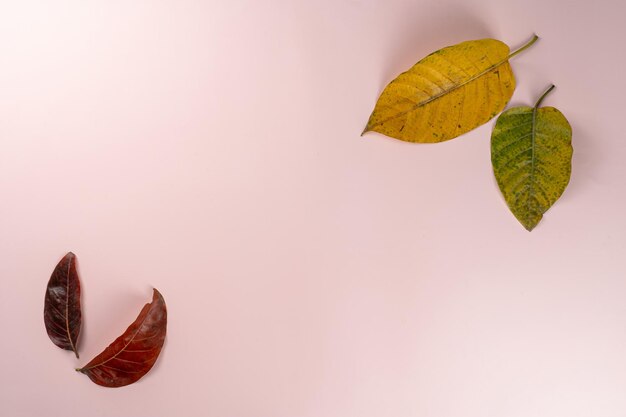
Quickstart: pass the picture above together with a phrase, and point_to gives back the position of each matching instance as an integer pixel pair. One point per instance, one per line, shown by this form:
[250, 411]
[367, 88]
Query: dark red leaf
[132, 354]
[61, 312]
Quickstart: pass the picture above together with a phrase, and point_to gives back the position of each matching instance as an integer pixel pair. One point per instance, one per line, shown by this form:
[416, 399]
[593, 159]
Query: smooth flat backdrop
[211, 149]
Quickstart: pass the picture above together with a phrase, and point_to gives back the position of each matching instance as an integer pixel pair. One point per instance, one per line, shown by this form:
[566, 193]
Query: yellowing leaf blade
[531, 154]
[446, 94]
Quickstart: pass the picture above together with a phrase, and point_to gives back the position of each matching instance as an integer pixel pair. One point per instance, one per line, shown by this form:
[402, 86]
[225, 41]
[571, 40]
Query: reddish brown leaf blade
[134, 353]
[61, 313]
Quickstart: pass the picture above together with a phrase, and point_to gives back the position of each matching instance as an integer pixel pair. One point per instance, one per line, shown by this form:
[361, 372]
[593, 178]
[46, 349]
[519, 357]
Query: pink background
[211, 149]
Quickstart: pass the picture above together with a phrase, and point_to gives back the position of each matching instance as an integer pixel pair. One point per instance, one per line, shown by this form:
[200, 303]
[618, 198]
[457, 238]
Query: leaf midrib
[67, 305]
[444, 92]
[531, 189]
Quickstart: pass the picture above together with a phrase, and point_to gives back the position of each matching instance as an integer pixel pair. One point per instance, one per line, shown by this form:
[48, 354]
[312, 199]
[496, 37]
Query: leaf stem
[544, 95]
[526, 46]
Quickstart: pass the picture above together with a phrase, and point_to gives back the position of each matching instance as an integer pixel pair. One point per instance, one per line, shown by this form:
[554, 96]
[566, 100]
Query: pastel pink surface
[212, 150]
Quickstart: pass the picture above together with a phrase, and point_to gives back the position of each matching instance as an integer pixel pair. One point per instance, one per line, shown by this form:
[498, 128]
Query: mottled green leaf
[531, 153]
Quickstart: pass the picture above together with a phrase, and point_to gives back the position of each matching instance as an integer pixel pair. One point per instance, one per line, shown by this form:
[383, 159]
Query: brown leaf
[132, 354]
[62, 315]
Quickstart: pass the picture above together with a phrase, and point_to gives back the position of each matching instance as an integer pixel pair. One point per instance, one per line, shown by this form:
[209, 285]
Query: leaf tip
[156, 294]
[529, 226]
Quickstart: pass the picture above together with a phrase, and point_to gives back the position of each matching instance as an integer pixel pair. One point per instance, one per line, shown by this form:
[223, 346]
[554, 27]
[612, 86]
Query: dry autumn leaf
[134, 353]
[531, 153]
[448, 93]
[62, 314]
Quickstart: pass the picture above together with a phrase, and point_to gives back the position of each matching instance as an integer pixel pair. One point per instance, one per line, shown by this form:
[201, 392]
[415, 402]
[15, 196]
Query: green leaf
[448, 93]
[531, 153]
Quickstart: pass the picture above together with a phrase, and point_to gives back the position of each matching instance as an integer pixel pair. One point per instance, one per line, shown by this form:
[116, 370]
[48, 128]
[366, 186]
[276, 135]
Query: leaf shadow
[510, 105]
[431, 31]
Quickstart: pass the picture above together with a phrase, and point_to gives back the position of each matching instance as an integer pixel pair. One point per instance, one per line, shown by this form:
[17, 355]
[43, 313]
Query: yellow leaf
[448, 93]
